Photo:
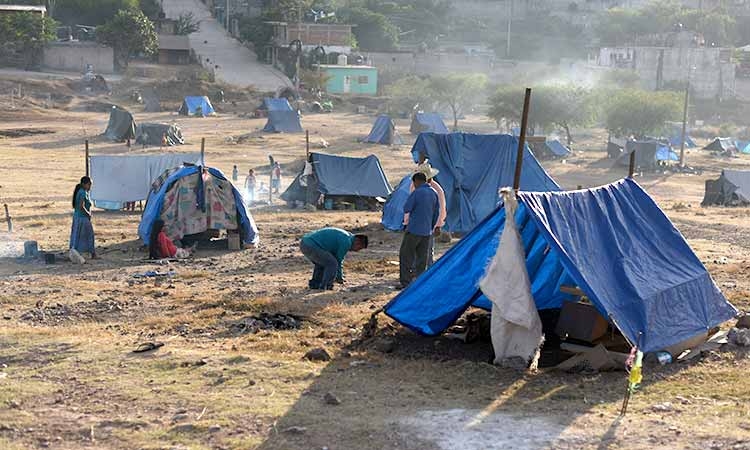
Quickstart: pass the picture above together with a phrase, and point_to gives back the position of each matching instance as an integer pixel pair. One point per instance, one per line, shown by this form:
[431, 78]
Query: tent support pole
[307, 144]
[629, 391]
[86, 148]
[8, 219]
[203, 151]
[684, 125]
[522, 140]
[631, 169]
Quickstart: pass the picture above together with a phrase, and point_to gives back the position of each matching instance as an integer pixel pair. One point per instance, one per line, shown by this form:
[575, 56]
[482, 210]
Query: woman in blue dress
[82, 233]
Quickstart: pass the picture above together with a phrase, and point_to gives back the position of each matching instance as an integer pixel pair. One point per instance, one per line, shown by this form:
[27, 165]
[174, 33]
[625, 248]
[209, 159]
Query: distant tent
[614, 150]
[384, 132]
[743, 147]
[393, 210]
[550, 150]
[473, 167]
[281, 117]
[121, 125]
[339, 176]
[128, 178]
[721, 145]
[731, 189]
[648, 154]
[196, 105]
[192, 200]
[427, 123]
[612, 242]
[151, 104]
[151, 134]
[676, 140]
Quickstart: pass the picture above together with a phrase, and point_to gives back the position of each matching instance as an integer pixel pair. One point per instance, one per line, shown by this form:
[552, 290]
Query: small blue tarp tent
[676, 140]
[550, 149]
[665, 153]
[393, 210]
[427, 123]
[557, 148]
[165, 184]
[196, 105]
[384, 132]
[281, 117]
[473, 167]
[613, 242]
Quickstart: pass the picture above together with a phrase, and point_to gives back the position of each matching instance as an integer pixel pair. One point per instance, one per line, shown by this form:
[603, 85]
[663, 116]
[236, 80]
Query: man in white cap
[430, 172]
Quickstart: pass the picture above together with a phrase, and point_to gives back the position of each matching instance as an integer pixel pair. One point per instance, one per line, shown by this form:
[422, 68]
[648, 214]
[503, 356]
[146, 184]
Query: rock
[214, 428]
[662, 407]
[317, 354]
[385, 345]
[295, 430]
[740, 337]
[179, 416]
[743, 322]
[184, 428]
[331, 399]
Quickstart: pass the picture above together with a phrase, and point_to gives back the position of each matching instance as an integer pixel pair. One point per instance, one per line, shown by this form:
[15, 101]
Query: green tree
[186, 24]
[255, 30]
[408, 92]
[151, 8]
[373, 31]
[633, 112]
[315, 79]
[459, 92]
[90, 12]
[130, 32]
[27, 33]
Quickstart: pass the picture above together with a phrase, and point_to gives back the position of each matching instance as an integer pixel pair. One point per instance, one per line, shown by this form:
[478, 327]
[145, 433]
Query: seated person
[161, 247]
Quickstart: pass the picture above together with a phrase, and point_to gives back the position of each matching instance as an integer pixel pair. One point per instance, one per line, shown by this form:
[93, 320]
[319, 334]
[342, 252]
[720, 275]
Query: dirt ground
[69, 379]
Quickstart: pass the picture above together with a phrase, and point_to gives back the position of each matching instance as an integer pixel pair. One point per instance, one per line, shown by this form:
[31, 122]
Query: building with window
[359, 80]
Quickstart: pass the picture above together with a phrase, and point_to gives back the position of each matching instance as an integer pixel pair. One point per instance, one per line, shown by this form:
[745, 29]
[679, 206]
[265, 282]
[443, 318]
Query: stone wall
[73, 57]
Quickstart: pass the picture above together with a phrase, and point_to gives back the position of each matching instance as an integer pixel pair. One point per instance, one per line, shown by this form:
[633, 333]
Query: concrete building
[332, 37]
[710, 71]
[12, 9]
[361, 80]
[74, 56]
[174, 49]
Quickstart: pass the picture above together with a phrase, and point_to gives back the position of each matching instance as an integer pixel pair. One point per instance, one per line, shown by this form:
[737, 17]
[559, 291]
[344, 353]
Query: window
[363, 79]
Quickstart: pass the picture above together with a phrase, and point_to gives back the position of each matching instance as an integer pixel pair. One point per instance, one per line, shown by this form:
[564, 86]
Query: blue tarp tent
[665, 153]
[281, 117]
[342, 176]
[721, 145]
[427, 123]
[550, 149]
[196, 105]
[613, 242]
[165, 184]
[384, 132]
[473, 167]
[557, 148]
[393, 210]
[676, 140]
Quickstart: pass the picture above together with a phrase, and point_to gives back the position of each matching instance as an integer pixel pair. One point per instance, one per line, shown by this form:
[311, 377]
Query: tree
[633, 112]
[151, 8]
[27, 33]
[459, 92]
[373, 31]
[314, 80]
[130, 32]
[408, 92]
[186, 24]
[90, 12]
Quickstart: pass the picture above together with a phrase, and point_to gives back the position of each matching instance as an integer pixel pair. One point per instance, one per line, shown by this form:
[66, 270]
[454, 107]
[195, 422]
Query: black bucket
[49, 258]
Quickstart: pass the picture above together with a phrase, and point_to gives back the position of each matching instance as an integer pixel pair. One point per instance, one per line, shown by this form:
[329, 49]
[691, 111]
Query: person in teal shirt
[326, 249]
[82, 232]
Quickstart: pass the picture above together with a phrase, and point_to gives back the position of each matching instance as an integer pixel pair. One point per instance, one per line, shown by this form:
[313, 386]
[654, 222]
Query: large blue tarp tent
[613, 242]
[473, 167]
[342, 176]
[384, 132]
[281, 117]
[170, 181]
[393, 210]
[427, 123]
[196, 106]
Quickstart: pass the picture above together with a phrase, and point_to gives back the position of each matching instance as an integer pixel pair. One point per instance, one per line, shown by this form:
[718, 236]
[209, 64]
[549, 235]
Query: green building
[361, 80]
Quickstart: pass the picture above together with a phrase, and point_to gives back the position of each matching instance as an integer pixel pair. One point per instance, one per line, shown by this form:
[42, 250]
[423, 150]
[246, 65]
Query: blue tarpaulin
[191, 105]
[384, 132]
[155, 202]
[665, 153]
[427, 123]
[676, 140]
[281, 117]
[473, 167]
[613, 242]
[556, 148]
[393, 210]
[339, 175]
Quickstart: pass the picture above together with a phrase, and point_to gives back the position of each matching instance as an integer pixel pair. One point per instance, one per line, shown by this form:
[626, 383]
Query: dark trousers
[326, 266]
[413, 257]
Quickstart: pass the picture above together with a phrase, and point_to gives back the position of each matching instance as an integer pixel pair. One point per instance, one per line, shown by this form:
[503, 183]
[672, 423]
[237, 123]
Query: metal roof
[28, 8]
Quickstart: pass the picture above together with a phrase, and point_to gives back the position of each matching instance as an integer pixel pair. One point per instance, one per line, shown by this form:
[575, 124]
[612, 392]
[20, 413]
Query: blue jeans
[326, 266]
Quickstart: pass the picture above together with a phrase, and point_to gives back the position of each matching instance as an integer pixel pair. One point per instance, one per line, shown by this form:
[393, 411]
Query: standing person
[144, 140]
[82, 232]
[276, 177]
[250, 186]
[430, 172]
[424, 209]
[326, 249]
[235, 174]
[163, 141]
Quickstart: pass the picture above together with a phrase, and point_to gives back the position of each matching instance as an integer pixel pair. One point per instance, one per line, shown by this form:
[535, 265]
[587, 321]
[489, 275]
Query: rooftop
[28, 8]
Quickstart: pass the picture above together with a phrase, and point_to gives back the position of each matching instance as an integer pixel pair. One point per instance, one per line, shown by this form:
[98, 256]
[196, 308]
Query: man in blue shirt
[423, 208]
[326, 249]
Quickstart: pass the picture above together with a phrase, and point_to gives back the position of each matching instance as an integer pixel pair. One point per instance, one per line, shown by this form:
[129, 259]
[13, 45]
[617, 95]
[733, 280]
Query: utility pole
[226, 15]
[510, 19]
[684, 123]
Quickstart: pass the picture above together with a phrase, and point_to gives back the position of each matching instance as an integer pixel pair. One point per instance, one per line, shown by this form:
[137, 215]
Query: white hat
[427, 169]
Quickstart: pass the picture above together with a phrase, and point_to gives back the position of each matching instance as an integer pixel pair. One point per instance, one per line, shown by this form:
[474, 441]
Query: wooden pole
[86, 146]
[631, 170]
[203, 151]
[307, 144]
[684, 125]
[522, 140]
[8, 219]
[270, 181]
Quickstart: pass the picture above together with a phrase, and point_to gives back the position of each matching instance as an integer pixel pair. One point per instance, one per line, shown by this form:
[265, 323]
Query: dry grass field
[69, 379]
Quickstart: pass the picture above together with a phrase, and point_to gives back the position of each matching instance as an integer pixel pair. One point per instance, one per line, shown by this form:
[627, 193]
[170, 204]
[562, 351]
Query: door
[347, 84]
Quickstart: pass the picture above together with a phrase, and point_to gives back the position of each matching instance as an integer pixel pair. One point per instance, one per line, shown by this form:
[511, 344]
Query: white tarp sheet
[128, 178]
[741, 179]
[515, 325]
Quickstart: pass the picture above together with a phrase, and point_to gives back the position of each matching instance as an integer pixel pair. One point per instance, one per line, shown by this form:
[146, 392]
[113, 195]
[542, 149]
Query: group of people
[250, 184]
